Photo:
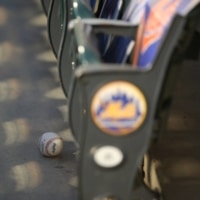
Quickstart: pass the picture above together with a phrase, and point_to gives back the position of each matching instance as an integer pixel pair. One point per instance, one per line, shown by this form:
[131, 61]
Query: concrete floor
[32, 102]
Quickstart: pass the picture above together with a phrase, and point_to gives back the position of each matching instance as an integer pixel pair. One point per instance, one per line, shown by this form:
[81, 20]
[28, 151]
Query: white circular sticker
[108, 156]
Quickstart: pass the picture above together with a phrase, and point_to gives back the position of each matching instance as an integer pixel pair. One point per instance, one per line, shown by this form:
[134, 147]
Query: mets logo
[118, 108]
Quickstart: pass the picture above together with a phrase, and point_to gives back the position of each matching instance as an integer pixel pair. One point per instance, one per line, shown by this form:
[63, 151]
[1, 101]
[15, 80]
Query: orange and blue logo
[153, 27]
[118, 108]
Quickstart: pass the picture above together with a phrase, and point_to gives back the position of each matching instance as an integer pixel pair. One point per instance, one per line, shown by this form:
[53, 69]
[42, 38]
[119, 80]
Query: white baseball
[50, 144]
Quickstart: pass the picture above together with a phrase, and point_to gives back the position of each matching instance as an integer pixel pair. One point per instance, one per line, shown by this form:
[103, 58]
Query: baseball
[50, 144]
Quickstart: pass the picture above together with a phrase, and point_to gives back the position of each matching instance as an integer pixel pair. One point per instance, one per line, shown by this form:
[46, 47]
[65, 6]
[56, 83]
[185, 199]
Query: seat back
[82, 9]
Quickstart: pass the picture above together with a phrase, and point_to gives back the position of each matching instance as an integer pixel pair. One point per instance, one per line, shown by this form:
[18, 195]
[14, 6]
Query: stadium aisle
[31, 103]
